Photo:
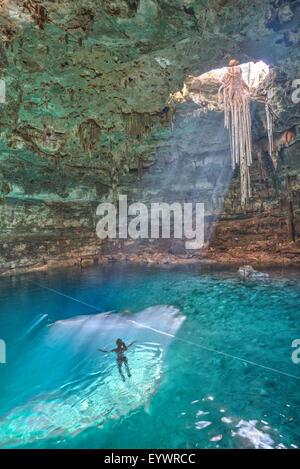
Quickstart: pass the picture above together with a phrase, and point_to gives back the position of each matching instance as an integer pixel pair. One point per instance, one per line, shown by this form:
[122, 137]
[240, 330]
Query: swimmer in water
[120, 356]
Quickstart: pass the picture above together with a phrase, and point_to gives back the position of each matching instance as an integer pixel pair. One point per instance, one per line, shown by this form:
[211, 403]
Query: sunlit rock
[247, 271]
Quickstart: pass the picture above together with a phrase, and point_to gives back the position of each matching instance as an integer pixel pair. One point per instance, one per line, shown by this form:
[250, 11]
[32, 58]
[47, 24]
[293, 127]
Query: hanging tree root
[235, 95]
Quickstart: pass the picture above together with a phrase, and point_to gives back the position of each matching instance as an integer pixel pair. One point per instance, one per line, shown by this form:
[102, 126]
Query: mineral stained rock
[247, 271]
[88, 116]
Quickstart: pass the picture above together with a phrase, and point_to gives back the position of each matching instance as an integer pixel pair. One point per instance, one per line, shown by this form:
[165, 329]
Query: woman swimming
[120, 356]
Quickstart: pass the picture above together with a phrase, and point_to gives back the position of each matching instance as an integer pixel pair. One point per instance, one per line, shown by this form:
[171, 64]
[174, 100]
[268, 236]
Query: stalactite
[7, 33]
[38, 13]
[138, 125]
[139, 165]
[89, 134]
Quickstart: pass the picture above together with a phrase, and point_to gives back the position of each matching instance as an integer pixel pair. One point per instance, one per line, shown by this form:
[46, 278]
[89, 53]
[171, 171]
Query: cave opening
[231, 90]
[253, 73]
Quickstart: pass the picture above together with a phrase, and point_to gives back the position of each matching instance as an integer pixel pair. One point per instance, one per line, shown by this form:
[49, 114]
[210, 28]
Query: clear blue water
[57, 391]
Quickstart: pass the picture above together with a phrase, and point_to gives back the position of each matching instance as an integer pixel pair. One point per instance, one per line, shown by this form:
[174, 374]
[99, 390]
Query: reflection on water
[57, 391]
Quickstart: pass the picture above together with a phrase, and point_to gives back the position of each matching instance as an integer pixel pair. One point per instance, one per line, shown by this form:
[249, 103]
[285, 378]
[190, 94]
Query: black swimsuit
[121, 357]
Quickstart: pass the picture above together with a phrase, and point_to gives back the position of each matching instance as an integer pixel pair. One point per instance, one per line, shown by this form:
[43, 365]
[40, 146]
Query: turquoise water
[57, 391]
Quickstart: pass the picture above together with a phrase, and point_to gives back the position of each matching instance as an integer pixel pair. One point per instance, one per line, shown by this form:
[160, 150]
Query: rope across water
[195, 344]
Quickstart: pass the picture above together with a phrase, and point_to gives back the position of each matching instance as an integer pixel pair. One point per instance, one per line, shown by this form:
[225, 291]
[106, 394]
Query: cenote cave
[150, 225]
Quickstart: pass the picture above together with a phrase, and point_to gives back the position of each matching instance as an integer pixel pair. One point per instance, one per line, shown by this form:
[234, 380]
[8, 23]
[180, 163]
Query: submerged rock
[247, 271]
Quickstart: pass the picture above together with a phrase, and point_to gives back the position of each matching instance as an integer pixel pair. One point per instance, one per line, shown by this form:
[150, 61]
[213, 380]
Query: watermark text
[296, 92]
[2, 351]
[296, 353]
[2, 92]
[154, 223]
